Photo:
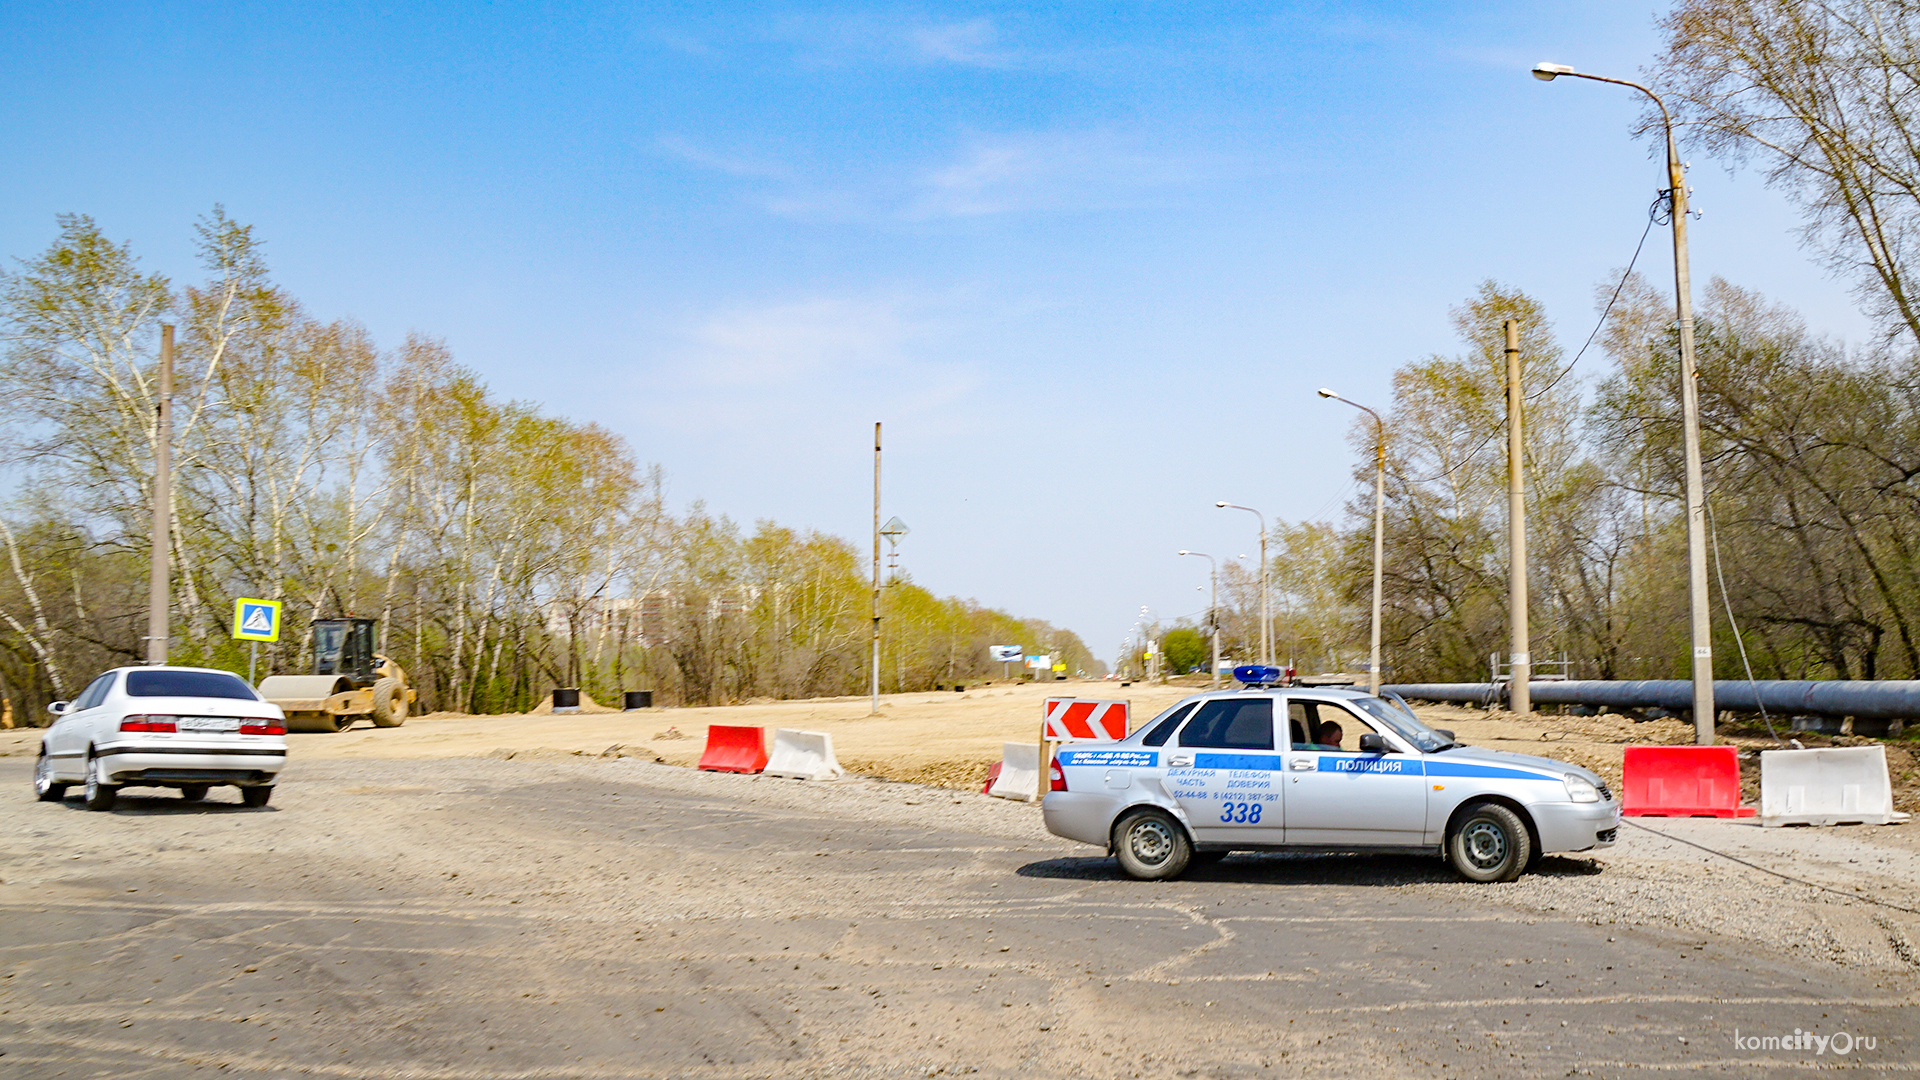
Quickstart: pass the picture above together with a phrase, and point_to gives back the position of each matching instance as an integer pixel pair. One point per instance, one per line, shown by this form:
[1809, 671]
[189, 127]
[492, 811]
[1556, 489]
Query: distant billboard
[1006, 654]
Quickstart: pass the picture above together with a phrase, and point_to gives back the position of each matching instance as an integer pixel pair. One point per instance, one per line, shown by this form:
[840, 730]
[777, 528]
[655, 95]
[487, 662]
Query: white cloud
[732, 164]
[1071, 171]
[773, 377]
[800, 341]
[969, 42]
[982, 174]
[898, 39]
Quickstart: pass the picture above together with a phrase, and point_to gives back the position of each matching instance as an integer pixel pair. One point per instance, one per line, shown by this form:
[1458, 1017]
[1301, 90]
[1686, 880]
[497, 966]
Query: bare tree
[1821, 93]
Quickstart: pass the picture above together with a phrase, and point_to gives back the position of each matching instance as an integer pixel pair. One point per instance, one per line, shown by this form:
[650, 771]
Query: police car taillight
[148, 723]
[1057, 779]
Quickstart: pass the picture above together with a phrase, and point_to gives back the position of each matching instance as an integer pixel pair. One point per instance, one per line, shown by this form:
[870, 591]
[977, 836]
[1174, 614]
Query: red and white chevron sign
[1080, 720]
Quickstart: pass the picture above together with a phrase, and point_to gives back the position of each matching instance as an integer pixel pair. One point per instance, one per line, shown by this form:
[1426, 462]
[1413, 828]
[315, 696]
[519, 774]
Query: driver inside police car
[1328, 735]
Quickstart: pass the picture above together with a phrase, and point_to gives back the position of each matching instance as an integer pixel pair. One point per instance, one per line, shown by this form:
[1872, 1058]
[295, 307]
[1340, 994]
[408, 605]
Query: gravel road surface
[565, 917]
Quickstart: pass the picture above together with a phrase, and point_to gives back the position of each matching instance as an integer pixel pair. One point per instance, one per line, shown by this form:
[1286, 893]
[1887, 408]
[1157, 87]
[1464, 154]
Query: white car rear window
[211, 684]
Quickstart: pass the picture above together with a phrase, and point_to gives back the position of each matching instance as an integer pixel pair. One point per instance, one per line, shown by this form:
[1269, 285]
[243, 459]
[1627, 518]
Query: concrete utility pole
[1213, 614]
[876, 568]
[1266, 620]
[1519, 698]
[1379, 529]
[159, 599]
[1701, 616]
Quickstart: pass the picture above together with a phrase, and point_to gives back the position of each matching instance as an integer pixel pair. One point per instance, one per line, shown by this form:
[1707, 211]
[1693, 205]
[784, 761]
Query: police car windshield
[1404, 725]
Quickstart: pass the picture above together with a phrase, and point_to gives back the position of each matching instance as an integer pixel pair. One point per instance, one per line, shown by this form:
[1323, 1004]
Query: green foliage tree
[1184, 649]
[505, 550]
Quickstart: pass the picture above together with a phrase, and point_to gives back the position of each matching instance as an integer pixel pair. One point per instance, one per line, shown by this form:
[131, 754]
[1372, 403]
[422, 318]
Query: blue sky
[1087, 262]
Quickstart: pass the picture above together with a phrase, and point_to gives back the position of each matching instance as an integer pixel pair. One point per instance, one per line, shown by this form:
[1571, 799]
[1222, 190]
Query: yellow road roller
[349, 681]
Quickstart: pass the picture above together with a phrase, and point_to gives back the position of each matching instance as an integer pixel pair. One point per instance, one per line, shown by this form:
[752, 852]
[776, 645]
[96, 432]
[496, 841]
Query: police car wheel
[1151, 846]
[1490, 844]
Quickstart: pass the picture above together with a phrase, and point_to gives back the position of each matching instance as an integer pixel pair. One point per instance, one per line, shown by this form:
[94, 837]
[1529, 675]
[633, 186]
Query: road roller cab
[344, 647]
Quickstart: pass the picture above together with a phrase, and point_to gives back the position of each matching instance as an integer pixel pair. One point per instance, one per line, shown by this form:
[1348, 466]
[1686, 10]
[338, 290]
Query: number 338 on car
[1279, 768]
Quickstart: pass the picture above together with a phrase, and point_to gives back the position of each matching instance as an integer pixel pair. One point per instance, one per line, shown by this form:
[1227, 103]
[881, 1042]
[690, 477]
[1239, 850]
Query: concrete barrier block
[1839, 785]
[1019, 771]
[803, 755]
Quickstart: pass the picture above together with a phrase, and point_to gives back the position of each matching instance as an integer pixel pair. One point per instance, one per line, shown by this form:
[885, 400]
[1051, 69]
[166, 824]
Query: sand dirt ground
[408, 908]
[555, 916]
[949, 739]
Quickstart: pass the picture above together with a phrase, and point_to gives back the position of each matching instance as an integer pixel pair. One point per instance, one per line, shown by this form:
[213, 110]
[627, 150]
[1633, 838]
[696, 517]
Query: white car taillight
[264, 727]
[1057, 778]
[148, 723]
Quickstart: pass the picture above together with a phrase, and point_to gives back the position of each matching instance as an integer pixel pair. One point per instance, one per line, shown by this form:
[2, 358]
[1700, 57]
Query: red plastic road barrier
[735, 749]
[1682, 781]
[993, 773]
[1082, 720]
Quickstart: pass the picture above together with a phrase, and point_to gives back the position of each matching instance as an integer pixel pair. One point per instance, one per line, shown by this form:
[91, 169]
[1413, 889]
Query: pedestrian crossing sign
[256, 620]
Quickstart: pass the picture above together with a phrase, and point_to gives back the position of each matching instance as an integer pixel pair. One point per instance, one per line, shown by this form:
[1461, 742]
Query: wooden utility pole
[158, 598]
[1519, 697]
[876, 568]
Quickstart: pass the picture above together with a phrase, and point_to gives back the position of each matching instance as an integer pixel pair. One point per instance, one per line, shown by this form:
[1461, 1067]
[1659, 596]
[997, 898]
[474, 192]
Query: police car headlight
[1581, 791]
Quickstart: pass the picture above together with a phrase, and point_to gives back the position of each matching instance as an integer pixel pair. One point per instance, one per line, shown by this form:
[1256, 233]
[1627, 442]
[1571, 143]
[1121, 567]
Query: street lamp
[1701, 616]
[1266, 622]
[1213, 618]
[1379, 526]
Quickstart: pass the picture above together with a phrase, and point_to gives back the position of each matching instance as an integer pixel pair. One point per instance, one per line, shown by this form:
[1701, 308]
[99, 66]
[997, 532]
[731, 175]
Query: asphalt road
[539, 918]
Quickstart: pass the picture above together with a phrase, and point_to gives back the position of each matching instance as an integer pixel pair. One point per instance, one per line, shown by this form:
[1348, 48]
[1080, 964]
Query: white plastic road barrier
[1019, 771]
[1833, 786]
[804, 755]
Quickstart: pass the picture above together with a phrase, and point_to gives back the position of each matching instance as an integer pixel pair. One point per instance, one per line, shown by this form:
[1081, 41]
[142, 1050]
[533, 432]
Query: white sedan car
[177, 727]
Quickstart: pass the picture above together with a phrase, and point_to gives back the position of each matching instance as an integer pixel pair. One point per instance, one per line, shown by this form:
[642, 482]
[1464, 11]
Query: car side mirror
[1445, 734]
[57, 708]
[1374, 743]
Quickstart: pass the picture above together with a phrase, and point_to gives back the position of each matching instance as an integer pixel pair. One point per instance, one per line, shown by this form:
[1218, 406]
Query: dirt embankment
[1599, 743]
[949, 739]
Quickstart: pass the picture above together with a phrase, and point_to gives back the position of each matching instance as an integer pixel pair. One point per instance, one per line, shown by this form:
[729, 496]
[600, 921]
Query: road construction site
[557, 895]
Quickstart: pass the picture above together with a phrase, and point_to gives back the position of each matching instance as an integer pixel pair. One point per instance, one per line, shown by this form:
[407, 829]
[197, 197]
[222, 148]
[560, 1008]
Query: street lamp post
[1701, 616]
[1213, 618]
[1266, 621]
[1379, 527]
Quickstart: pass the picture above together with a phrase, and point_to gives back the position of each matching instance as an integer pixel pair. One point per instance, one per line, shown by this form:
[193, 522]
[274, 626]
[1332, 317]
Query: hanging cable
[1713, 534]
[1765, 870]
[1597, 327]
[1608, 310]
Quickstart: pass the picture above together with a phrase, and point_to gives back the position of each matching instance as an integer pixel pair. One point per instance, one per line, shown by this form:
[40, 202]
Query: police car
[1356, 773]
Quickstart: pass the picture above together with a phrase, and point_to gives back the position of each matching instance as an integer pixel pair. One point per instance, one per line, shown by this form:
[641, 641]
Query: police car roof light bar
[1259, 675]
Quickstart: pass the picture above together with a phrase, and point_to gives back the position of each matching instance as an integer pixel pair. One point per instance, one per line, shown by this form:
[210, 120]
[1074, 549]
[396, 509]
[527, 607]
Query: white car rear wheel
[100, 794]
[1151, 846]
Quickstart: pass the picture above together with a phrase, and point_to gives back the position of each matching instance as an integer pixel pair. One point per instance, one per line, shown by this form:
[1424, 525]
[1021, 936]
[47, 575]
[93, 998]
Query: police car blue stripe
[1448, 768]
